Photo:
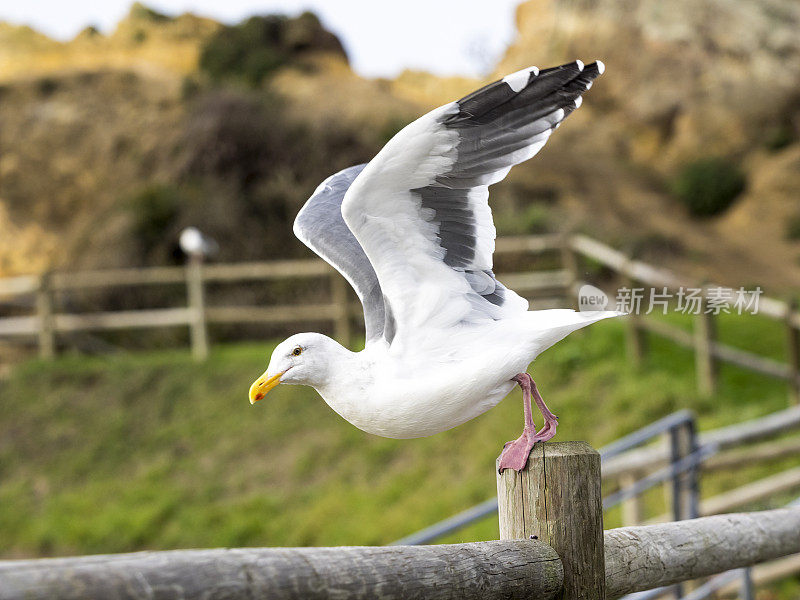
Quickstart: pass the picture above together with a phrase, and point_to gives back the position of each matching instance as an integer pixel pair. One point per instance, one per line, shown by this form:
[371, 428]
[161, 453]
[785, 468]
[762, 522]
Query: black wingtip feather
[558, 87]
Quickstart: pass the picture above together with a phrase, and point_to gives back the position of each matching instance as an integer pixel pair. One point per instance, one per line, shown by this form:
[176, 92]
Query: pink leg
[515, 454]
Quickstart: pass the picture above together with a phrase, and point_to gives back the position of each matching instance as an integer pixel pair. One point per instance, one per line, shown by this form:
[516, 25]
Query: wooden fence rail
[649, 556]
[564, 554]
[708, 351]
[482, 570]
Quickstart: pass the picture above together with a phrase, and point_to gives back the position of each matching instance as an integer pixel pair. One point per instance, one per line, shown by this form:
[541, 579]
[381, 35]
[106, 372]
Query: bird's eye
[297, 351]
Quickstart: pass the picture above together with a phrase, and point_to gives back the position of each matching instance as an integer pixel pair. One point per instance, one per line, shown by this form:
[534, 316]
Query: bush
[244, 169]
[709, 186]
[190, 88]
[145, 13]
[793, 229]
[237, 138]
[155, 210]
[779, 137]
[535, 218]
[47, 86]
[254, 49]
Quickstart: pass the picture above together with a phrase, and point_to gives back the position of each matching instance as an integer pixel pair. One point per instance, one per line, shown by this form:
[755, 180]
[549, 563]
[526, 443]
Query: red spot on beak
[259, 396]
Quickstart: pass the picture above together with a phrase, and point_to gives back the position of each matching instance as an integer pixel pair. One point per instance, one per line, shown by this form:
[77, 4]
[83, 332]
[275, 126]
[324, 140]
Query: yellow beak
[262, 385]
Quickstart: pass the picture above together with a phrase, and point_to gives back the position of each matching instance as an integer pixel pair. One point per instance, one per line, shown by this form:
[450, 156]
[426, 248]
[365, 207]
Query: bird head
[301, 359]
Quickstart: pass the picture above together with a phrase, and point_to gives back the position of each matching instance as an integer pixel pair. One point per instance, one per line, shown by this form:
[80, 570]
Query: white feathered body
[450, 380]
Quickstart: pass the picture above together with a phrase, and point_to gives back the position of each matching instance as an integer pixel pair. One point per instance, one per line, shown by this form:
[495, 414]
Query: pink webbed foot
[515, 454]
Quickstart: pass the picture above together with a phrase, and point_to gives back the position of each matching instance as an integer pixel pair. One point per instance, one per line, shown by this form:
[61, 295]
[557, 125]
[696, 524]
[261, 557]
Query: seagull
[412, 233]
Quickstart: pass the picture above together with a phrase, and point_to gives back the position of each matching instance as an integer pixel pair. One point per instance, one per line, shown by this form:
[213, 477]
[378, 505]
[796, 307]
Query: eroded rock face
[144, 40]
[88, 124]
[683, 75]
[684, 80]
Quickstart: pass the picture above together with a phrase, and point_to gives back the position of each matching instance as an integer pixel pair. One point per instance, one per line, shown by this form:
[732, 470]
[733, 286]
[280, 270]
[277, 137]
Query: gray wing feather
[498, 126]
[320, 226]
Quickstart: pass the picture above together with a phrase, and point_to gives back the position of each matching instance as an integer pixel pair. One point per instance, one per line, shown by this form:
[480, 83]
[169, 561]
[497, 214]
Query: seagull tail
[549, 327]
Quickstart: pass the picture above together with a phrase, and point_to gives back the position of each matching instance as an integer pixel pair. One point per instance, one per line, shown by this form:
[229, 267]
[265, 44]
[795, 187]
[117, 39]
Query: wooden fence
[552, 546]
[708, 351]
[46, 322]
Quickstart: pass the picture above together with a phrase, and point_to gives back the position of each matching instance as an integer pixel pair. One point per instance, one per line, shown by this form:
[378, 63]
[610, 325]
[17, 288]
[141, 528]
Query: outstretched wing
[320, 226]
[420, 208]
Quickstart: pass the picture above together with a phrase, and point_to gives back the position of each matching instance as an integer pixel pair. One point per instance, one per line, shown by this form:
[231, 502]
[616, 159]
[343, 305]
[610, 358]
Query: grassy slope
[154, 451]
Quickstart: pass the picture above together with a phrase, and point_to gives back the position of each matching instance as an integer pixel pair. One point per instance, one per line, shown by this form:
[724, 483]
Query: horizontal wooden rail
[49, 323]
[767, 573]
[170, 317]
[756, 430]
[636, 559]
[651, 556]
[19, 326]
[546, 289]
[622, 264]
[753, 362]
[750, 455]
[755, 491]
[23, 284]
[482, 570]
[123, 319]
[748, 494]
[528, 243]
[278, 269]
[670, 332]
[729, 354]
[776, 309]
[271, 314]
[113, 277]
[646, 274]
[535, 281]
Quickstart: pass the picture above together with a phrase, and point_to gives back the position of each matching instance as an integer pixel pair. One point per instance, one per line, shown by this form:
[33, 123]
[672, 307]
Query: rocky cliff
[100, 136]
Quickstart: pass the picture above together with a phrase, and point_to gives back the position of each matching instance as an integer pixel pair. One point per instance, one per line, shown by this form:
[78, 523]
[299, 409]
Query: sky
[446, 37]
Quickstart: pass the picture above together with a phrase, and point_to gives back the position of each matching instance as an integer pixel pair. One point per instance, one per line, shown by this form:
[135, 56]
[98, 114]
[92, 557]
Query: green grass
[153, 451]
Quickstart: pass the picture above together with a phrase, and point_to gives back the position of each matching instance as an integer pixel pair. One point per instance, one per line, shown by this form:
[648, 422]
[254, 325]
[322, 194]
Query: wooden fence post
[636, 335]
[341, 322]
[44, 310]
[569, 262]
[632, 508]
[556, 499]
[198, 332]
[705, 363]
[793, 351]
